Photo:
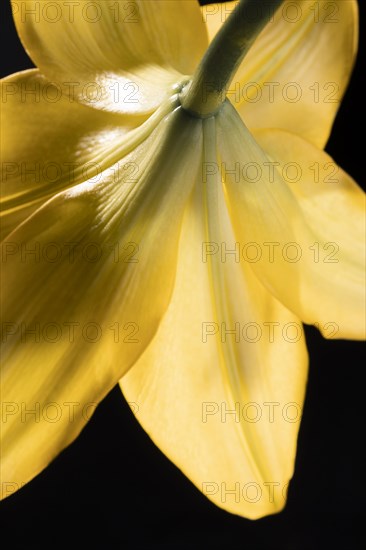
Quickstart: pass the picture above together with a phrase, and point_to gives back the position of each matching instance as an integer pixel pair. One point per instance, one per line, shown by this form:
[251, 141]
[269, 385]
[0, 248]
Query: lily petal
[203, 394]
[309, 233]
[86, 280]
[49, 143]
[118, 56]
[297, 71]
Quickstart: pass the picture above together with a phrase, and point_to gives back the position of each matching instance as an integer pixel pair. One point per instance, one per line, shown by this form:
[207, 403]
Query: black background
[114, 489]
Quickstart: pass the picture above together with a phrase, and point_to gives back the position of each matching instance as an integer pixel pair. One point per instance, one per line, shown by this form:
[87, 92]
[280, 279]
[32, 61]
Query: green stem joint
[206, 92]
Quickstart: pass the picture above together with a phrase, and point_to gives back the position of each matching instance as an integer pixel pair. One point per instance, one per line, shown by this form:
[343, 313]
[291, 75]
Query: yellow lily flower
[171, 248]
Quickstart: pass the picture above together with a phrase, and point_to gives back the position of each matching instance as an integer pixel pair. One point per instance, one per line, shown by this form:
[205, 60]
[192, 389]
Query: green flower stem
[211, 81]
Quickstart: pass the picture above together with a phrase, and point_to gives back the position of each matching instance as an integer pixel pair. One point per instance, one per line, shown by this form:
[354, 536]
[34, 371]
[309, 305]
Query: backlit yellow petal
[86, 280]
[182, 265]
[334, 208]
[215, 15]
[49, 143]
[295, 75]
[119, 56]
[217, 391]
[310, 258]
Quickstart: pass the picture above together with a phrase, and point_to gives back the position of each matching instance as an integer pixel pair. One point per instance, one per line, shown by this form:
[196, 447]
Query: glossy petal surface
[85, 284]
[118, 56]
[49, 143]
